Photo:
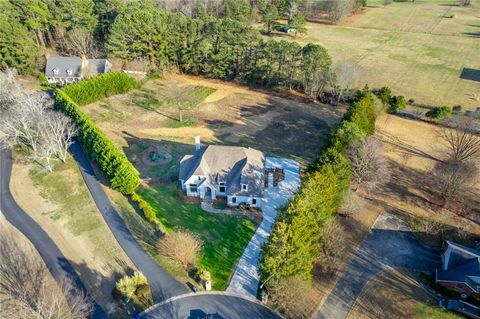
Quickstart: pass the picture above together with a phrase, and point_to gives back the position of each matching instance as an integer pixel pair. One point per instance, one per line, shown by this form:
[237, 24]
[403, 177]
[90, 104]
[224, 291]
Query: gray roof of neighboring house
[64, 63]
[97, 66]
[463, 265]
[231, 164]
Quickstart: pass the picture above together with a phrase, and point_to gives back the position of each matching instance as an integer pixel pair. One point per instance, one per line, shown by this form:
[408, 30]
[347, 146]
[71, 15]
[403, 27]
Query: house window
[244, 187]
[222, 183]
[55, 71]
[193, 188]
[69, 72]
[254, 201]
[222, 189]
[234, 199]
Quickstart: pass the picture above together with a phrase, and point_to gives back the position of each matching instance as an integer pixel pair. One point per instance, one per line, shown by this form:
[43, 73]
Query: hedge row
[107, 84]
[293, 245]
[113, 163]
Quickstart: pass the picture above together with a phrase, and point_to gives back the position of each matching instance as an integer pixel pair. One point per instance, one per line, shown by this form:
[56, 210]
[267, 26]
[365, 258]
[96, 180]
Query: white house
[236, 173]
[65, 70]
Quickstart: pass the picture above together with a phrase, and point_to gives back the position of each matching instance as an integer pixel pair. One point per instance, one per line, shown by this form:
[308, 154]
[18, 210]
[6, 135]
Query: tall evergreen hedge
[293, 245]
[107, 84]
[113, 163]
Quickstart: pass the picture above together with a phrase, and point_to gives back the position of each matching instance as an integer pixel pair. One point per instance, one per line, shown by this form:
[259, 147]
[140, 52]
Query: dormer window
[69, 72]
[244, 187]
[55, 71]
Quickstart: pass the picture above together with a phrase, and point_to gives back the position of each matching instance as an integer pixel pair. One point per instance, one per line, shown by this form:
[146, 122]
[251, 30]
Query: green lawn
[224, 237]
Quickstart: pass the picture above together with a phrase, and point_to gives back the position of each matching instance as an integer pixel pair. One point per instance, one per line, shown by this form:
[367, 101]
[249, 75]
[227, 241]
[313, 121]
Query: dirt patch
[90, 247]
[392, 294]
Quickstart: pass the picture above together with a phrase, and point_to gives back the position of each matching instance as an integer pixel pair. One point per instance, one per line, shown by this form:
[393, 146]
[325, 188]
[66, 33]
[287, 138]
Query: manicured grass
[65, 187]
[224, 237]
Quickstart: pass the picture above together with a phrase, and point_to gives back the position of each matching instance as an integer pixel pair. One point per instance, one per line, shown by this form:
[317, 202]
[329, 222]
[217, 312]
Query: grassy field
[413, 148]
[411, 47]
[224, 237]
[62, 205]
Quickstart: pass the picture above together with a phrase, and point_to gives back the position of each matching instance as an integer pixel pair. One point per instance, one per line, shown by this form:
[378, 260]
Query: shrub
[396, 103]
[440, 113]
[457, 109]
[127, 286]
[136, 288]
[146, 209]
[107, 84]
[43, 80]
[384, 94]
[113, 163]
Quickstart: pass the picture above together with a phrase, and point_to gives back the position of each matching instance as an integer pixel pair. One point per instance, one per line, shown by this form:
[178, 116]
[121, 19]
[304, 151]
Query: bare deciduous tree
[338, 9]
[461, 140]
[24, 289]
[369, 166]
[346, 78]
[352, 205]
[291, 296]
[331, 243]
[182, 247]
[61, 132]
[76, 41]
[451, 177]
[28, 119]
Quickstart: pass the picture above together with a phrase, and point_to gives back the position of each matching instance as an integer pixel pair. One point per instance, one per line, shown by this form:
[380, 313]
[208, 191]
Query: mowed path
[163, 285]
[56, 262]
[390, 243]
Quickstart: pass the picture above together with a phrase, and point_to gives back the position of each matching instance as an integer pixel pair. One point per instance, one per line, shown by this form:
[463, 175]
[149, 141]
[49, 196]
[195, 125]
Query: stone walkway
[245, 280]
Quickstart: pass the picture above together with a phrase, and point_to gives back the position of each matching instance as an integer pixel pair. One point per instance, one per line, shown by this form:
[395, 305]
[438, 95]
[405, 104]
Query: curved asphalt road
[163, 285]
[56, 262]
[214, 305]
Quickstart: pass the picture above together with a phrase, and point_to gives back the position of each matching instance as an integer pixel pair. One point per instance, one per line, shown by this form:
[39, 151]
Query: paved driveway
[245, 280]
[163, 285]
[56, 262]
[390, 243]
[210, 305]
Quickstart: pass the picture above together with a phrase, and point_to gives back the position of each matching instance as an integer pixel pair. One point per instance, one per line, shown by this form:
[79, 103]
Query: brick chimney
[84, 70]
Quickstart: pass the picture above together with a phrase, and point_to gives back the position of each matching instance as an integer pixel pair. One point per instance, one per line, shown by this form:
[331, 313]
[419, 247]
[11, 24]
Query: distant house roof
[460, 264]
[63, 67]
[67, 67]
[231, 164]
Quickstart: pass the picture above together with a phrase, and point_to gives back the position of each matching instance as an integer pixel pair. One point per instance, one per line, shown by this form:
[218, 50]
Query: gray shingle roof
[231, 164]
[62, 64]
[463, 265]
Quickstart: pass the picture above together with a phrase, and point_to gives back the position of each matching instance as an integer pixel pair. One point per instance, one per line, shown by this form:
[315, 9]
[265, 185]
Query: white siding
[244, 199]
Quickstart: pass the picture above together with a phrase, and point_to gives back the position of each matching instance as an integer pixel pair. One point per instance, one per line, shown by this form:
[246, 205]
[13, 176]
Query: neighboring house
[460, 269]
[236, 173]
[65, 70]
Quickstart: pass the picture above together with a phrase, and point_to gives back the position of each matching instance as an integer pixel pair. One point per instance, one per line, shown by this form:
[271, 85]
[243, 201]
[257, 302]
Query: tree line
[223, 47]
[113, 162]
[296, 238]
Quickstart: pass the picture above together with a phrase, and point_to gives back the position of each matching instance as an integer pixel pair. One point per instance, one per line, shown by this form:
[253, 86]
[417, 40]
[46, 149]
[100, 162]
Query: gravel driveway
[390, 243]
